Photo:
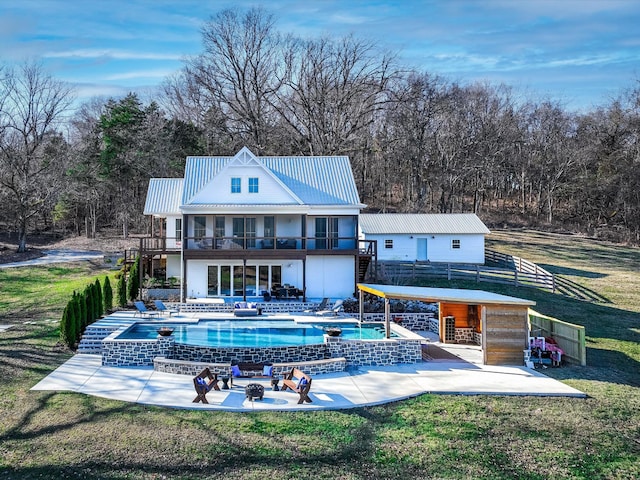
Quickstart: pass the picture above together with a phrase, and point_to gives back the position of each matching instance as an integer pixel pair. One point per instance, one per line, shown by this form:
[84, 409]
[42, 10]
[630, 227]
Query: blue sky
[581, 52]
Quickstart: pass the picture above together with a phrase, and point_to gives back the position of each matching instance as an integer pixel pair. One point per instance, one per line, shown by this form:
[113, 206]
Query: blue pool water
[247, 333]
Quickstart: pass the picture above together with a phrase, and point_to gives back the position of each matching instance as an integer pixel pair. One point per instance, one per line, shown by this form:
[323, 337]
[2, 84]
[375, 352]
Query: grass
[65, 435]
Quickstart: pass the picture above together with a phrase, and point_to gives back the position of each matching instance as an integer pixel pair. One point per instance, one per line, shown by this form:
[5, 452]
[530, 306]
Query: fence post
[477, 274]
[448, 271]
[515, 277]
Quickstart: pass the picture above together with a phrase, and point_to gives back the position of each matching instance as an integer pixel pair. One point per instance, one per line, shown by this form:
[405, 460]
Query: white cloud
[114, 54]
[157, 73]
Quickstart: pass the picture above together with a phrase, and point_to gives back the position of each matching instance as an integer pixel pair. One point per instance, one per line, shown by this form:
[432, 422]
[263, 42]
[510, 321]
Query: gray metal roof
[449, 295]
[314, 180]
[421, 223]
[163, 196]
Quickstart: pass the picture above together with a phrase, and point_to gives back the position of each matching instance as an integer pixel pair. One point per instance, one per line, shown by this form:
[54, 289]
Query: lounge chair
[143, 310]
[162, 308]
[321, 306]
[333, 312]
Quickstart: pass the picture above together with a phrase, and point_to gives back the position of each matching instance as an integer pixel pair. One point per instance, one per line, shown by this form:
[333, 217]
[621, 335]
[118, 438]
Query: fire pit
[165, 331]
[254, 390]
[333, 331]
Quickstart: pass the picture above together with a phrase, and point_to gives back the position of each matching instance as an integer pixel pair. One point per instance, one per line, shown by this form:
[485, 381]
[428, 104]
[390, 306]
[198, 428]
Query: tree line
[418, 142]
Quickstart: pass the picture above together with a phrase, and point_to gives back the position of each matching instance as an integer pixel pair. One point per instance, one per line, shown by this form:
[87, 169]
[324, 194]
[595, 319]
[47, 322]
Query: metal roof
[314, 180]
[163, 196]
[449, 295]
[421, 223]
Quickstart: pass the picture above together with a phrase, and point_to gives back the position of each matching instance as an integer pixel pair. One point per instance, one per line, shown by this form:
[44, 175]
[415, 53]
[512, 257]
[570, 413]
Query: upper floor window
[236, 185]
[253, 185]
[455, 243]
[199, 227]
[218, 229]
[178, 229]
[388, 243]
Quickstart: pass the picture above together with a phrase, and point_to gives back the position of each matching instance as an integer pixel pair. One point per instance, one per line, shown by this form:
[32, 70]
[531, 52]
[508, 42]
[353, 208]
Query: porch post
[387, 323]
[183, 262]
[361, 305]
[304, 279]
[244, 279]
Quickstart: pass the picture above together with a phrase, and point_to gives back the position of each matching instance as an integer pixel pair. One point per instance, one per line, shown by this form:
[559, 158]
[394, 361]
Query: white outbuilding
[433, 237]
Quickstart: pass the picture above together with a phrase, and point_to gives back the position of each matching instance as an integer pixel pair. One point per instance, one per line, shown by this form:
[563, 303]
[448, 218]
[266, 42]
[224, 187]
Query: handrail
[285, 242]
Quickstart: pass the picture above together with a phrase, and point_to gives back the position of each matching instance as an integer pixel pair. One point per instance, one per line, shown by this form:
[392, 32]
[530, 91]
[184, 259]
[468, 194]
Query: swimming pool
[258, 333]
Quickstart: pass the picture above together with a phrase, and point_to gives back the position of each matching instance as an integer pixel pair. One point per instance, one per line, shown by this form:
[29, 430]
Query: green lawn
[64, 435]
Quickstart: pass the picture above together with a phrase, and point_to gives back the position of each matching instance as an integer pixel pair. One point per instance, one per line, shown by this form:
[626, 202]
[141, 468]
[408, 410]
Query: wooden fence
[520, 273]
[570, 337]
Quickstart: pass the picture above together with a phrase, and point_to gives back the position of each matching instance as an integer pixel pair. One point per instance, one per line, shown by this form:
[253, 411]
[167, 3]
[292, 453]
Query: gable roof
[422, 223]
[163, 196]
[311, 180]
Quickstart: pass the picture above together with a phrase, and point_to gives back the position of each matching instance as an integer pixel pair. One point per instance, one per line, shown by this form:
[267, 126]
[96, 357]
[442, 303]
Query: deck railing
[151, 244]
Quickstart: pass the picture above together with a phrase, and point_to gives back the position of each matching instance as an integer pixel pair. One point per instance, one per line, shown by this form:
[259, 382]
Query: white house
[448, 238]
[244, 225]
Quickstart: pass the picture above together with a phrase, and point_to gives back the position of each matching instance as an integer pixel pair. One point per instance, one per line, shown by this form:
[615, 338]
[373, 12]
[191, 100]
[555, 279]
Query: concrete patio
[357, 387]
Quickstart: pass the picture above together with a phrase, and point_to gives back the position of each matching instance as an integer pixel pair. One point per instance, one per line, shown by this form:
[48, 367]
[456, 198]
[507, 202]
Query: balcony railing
[158, 244]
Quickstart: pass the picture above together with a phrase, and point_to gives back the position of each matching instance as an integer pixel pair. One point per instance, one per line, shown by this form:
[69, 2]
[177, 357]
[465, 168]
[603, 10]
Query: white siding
[171, 232]
[439, 248]
[218, 191]
[173, 266]
[330, 276]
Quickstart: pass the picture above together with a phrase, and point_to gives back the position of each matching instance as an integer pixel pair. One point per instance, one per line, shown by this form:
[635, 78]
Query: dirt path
[37, 247]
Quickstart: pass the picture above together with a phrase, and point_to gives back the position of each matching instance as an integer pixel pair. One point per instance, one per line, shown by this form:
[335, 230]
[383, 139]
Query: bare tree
[32, 105]
[237, 74]
[333, 93]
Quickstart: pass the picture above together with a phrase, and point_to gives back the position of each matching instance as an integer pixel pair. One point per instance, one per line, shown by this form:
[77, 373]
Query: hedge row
[83, 309]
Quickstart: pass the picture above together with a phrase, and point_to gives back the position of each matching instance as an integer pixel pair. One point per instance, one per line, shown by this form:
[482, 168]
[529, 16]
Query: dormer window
[236, 185]
[253, 185]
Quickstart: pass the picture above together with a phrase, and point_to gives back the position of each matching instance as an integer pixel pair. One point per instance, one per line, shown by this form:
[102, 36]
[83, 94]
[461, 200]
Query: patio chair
[143, 310]
[321, 306]
[162, 308]
[333, 312]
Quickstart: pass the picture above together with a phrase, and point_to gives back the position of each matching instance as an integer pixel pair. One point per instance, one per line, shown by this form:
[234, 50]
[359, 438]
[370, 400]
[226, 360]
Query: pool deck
[356, 387]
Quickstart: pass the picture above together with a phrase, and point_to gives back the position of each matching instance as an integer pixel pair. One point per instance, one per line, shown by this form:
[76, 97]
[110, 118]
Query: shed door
[422, 249]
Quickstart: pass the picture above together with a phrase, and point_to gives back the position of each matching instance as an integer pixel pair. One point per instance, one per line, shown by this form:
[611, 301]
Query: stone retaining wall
[300, 353]
[130, 353]
[183, 367]
[377, 352]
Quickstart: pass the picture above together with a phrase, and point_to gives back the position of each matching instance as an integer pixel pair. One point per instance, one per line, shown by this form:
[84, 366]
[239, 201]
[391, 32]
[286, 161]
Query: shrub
[121, 290]
[134, 280]
[107, 295]
[66, 325]
[99, 303]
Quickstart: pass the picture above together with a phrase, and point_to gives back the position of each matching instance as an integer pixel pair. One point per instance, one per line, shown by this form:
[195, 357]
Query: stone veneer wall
[183, 367]
[267, 307]
[411, 321]
[129, 353]
[465, 335]
[376, 352]
[303, 353]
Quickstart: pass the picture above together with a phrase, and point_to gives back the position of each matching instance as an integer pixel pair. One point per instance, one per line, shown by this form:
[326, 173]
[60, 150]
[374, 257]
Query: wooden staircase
[363, 266]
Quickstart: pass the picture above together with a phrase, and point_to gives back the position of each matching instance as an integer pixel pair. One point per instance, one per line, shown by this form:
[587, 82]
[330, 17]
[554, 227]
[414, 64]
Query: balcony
[282, 247]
